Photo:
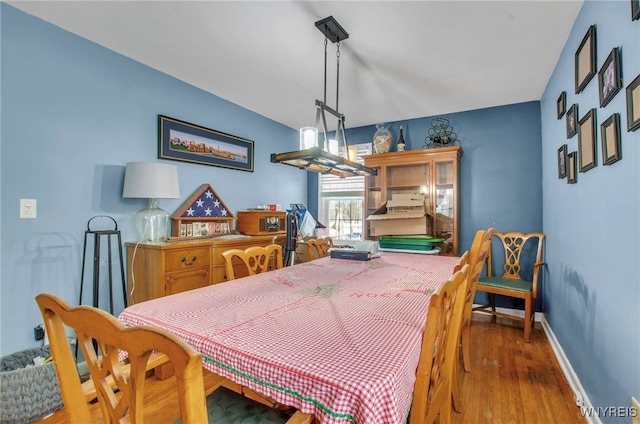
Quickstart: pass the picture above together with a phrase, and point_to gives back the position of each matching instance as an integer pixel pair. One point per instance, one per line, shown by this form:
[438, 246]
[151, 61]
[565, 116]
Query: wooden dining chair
[319, 248]
[475, 258]
[255, 259]
[123, 388]
[521, 271]
[432, 394]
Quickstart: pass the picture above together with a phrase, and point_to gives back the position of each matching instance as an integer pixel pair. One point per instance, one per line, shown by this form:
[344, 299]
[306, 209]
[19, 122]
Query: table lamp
[150, 180]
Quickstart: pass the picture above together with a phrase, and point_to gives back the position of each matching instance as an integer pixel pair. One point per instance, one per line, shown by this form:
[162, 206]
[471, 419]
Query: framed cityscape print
[610, 77]
[572, 120]
[185, 142]
[610, 139]
[585, 59]
[572, 175]
[633, 105]
[587, 141]
[562, 161]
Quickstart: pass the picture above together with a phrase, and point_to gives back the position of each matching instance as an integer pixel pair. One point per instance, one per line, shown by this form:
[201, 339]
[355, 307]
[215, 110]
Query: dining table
[335, 338]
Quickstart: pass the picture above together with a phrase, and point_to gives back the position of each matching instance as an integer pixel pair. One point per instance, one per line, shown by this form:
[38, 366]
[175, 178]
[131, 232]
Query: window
[341, 203]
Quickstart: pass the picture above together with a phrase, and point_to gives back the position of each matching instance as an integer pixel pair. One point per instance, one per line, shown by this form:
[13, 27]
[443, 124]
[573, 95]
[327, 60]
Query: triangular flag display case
[203, 214]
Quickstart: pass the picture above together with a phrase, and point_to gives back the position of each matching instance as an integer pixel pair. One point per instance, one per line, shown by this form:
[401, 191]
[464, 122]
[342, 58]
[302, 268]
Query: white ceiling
[402, 60]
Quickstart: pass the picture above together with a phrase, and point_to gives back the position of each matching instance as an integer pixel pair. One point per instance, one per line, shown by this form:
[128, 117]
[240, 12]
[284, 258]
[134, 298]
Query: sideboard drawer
[184, 259]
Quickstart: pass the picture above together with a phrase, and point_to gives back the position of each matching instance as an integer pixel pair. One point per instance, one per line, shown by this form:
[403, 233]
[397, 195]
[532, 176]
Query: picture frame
[585, 59]
[572, 120]
[633, 105]
[610, 139]
[610, 77]
[561, 104]
[587, 141]
[186, 142]
[635, 10]
[562, 161]
[572, 175]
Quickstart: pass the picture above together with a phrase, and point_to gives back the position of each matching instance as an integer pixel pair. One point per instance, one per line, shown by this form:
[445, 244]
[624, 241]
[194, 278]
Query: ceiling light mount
[324, 159]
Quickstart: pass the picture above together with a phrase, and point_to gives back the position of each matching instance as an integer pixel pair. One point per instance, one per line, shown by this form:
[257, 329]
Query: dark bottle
[401, 145]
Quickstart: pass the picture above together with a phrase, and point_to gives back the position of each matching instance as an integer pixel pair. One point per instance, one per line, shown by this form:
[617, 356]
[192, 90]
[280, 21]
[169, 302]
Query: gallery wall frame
[633, 104]
[572, 120]
[585, 60]
[562, 161]
[610, 77]
[186, 142]
[610, 139]
[587, 141]
[635, 10]
[572, 175]
[561, 104]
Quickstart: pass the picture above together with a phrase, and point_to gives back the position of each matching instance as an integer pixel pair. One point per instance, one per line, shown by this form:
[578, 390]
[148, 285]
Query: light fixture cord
[337, 74]
[325, 70]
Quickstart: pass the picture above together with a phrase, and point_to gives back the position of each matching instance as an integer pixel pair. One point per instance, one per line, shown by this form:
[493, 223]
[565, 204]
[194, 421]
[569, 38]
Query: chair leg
[455, 387]
[465, 338]
[528, 316]
[492, 301]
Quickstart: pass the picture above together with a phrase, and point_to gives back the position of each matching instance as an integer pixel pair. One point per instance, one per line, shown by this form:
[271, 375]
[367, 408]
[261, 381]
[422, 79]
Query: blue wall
[73, 115]
[592, 299]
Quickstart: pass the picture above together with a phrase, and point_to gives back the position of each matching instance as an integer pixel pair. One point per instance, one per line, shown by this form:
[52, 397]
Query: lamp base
[152, 223]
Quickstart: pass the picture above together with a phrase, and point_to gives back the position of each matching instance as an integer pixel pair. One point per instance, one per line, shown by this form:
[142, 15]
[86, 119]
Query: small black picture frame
[562, 161]
[633, 104]
[572, 175]
[587, 141]
[561, 104]
[572, 120]
[610, 77]
[610, 139]
[585, 59]
[635, 10]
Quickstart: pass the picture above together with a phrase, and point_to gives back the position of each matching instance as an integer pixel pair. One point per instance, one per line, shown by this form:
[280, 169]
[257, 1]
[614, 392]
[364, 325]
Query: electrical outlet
[635, 411]
[38, 332]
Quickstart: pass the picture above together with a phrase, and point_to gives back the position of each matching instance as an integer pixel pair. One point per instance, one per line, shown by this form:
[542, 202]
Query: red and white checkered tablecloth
[339, 339]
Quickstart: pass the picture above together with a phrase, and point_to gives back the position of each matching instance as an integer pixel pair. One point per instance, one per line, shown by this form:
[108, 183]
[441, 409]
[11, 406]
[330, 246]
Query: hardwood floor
[511, 381]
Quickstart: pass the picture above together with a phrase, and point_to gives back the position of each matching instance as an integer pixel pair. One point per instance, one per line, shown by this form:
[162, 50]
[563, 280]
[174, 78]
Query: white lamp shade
[151, 180]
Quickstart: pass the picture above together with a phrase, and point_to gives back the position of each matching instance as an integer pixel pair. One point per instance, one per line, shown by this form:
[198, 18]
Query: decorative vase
[382, 139]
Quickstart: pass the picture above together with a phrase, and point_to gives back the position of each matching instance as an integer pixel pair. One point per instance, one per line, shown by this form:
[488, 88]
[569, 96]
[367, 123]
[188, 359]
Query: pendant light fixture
[319, 154]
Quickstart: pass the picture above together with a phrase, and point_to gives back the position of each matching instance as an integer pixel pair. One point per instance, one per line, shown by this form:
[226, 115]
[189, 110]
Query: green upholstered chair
[521, 271]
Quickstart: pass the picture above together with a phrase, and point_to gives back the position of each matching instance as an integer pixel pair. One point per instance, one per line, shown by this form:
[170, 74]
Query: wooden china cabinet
[433, 172]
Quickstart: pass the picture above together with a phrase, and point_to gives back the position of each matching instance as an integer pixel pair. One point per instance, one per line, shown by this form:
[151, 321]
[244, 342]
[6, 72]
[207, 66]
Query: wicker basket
[27, 393]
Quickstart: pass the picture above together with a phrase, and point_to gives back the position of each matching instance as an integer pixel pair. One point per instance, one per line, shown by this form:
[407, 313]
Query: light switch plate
[28, 208]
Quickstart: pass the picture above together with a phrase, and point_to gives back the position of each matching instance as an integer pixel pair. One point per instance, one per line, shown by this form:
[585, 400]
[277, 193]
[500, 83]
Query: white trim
[580, 396]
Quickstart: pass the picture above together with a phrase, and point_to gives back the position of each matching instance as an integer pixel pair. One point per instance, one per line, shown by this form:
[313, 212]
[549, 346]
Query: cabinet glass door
[445, 199]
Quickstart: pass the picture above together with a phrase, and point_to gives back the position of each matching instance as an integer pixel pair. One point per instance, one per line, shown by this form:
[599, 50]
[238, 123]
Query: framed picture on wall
[561, 104]
[572, 175]
[585, 59]
[572, 120]
[610, 77]
[587, 141]
[635, 10]
[633, 105]
[610, 139]
[185, 142]
[562, 161]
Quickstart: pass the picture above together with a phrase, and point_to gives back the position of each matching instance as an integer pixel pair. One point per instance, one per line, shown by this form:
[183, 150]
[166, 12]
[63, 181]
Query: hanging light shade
[323, 155]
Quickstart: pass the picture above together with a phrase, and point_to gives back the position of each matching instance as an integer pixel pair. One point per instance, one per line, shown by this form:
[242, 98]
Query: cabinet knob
[184, 260]
[170, 280]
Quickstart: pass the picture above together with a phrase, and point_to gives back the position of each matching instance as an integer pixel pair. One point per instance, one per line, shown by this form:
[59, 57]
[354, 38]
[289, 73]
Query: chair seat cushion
[225, 406]
[506, 283]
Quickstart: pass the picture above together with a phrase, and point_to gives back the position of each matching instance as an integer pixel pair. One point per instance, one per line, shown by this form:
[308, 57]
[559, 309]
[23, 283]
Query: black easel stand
[97, 235]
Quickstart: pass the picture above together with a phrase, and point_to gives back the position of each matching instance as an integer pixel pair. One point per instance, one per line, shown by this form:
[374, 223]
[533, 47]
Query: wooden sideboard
[157, 269]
